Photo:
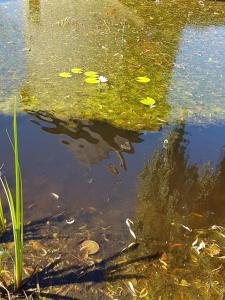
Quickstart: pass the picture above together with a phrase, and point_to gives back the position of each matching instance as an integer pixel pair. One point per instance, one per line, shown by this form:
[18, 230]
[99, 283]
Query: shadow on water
[33, 230]
[105, 271]
[90, 141]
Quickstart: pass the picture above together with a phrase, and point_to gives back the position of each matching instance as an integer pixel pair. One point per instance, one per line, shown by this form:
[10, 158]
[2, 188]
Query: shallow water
[108, 156]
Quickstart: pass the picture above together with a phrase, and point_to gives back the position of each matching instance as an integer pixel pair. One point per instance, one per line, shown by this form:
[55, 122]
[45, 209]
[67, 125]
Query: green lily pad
[143, 79]
[65, 74]
[148, 101]
[91, 74]
[92, 80]
[77, 70]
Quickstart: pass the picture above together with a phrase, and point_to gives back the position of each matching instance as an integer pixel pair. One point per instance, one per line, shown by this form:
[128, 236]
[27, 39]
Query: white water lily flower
[103, 79]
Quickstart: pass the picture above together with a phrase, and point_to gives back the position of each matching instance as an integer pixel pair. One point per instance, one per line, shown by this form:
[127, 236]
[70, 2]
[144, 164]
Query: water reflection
[12, 56]
[130, 42]
[178, 203]
[172, 191]
[35, 10]
[90, 142]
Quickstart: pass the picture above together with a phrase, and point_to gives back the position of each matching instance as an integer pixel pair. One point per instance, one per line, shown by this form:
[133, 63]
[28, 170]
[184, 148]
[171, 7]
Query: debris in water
[185, 227]
[70, 221]
[129, 222]
[56, 196]
[113, 169]
[131, 289]
[199, 247]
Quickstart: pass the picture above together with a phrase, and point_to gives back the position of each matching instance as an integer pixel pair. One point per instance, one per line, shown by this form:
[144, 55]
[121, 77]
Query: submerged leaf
[92, 80]
[213, 250]
[65, 75]
[143, 79]
[91, 74]
[90, 246]
[184, 283]
[148, 101]
[77, 70]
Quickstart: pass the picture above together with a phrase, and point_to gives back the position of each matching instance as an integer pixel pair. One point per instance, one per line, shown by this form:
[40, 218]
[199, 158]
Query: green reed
[2, 219]
[16, 207]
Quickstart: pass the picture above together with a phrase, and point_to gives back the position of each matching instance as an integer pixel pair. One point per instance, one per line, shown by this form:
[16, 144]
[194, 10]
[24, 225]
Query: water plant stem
[16, 208]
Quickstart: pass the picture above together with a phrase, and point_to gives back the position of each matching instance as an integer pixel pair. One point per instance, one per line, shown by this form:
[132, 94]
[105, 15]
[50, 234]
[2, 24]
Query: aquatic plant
[16, 208]
[2, 219]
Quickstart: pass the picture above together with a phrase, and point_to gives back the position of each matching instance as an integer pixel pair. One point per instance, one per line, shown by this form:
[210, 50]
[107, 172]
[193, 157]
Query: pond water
[110, 157]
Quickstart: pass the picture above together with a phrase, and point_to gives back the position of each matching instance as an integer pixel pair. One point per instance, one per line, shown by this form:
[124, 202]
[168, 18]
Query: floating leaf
[91, 74]
[148, 101]
[143, 79]
[65, 75]
[90, 246]
[92, 80]
[76, 70]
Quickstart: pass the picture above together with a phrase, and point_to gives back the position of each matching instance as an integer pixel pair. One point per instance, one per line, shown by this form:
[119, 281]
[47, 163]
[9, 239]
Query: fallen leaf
[184, 283]
[90, 246]
[70, 221]
[213, 250]
[131, 288]
[55, 195]
[129, 222]
[113, 169]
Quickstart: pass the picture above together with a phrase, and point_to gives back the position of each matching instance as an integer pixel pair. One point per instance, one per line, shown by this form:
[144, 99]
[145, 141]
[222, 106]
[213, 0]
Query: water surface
[108, 156]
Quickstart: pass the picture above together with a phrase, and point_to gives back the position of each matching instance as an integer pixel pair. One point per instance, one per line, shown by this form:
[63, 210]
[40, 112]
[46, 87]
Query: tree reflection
[35, 10]
[172, 191]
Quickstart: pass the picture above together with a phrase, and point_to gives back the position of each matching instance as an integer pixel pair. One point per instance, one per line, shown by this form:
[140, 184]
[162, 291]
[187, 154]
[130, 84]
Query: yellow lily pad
[65, 74]
[90, 246]
[148, 101]
[92, 80]
[91, 74]
[143, 79]
[77, 70]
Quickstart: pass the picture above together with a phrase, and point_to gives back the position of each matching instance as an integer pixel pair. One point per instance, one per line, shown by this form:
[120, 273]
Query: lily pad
[143, 79]
[92, 80]
[65, 74]
[77, 70]
[148, 101]
[91, 74]
[90, 246]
